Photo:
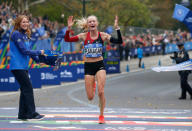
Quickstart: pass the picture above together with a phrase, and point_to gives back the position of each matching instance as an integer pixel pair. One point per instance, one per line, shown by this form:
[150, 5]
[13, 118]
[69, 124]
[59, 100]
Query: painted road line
[85, 122]
[42, 128]
[113, 116]
[106, 116]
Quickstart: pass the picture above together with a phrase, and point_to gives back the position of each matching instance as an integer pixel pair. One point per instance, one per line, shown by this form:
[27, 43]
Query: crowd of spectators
[149, 39]
[153, 39]
[8, 14]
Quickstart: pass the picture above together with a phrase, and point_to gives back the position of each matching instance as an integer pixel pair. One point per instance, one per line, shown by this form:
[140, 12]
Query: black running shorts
[91, 68]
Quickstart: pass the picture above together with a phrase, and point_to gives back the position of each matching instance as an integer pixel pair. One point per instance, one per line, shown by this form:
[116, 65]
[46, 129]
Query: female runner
[94, 64]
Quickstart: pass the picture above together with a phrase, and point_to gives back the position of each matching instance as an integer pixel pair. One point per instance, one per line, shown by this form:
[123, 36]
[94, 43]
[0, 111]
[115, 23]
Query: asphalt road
[146, 89]
[142, 101]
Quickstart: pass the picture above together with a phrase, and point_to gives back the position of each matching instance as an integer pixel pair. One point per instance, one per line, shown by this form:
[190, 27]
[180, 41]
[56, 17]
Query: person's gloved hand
[172, 57]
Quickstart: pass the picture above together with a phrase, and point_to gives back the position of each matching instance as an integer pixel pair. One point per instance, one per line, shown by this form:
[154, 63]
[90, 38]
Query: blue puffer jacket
[20, 51]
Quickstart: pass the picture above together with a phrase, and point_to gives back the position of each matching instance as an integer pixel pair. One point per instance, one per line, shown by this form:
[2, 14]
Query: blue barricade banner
[5, 38]
[153, 50]
[112, 54]
[79, 56]
[49, 77]
[112, 65]
[158, 48]
[171, 48]
[133, 52]
[68, 73]
[180, 12]
[35, 76]
[72, 57]
[8, 81]
[80, 71]
[147, 50]
[188, 45]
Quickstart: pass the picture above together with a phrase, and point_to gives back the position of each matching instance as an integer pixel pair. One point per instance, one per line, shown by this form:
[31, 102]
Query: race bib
[93, 50]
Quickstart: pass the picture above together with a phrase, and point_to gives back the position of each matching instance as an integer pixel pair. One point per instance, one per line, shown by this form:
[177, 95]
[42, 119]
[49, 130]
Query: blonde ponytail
[82, 24]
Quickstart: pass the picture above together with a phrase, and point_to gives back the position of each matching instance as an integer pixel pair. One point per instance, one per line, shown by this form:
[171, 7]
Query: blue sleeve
[17, 38]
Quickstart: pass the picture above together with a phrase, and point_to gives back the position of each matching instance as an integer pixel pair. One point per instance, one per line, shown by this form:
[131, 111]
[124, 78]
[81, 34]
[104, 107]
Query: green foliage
[130, 12]
[54, 8]
[51, 9]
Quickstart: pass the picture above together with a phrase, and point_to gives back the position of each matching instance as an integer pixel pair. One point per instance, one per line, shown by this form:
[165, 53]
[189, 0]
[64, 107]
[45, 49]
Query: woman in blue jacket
[20, 53]
[140, 54]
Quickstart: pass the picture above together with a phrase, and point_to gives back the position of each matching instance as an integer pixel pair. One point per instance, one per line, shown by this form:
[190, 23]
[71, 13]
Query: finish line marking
[70, 129]
[110, 122]
[106, 116]
[83, 122]
[111, 116]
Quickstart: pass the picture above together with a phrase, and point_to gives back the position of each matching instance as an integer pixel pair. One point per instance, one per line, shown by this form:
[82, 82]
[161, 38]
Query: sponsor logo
[6, 80]
[80, 70]
[179, 12]
[48, 76]
[112, 68]
[65, 73]
[11, 79]
[2, 80]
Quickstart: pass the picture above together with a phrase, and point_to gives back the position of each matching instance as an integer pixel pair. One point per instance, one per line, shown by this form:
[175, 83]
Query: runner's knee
[100, 93]
[90, 97]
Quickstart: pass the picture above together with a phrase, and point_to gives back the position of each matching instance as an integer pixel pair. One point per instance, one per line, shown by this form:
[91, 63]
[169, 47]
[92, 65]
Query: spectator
[127, 48]
[139, 54]
[121, 51]
[20, 52]
[164, 41]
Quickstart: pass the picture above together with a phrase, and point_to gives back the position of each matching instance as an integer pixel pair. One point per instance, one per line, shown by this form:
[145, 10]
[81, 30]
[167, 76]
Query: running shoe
[101, 119]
